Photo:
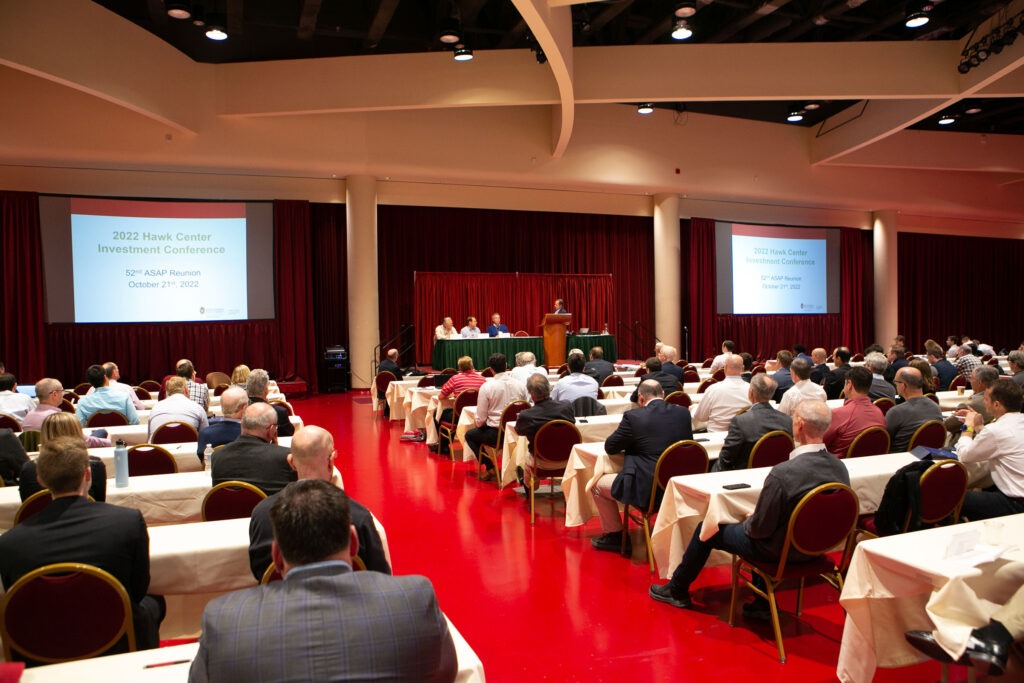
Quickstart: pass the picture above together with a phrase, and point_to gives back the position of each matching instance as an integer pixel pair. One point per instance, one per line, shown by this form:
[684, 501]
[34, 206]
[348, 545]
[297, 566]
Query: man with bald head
[668, 355]
[746, 429]
[723, 400]
[903, 420]
[226, 429]
[312, 457]
[819, 368]
[254, 457]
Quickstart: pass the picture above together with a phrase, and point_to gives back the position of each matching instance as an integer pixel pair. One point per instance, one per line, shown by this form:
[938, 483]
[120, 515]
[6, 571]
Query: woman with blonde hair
[66, 424]
[239, 375]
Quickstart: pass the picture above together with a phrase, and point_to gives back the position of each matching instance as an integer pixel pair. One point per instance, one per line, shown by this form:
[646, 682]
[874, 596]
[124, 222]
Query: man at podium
[560, 307]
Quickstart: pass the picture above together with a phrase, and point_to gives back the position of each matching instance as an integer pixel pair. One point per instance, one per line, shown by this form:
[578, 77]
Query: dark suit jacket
[28, 484]
[284, 425]
[73, 529]
[560, 311]
[532, 419]
[674, 370]
[643, 434]
[784, 378]
[12, 457]
[668, 383]
[836, 380]
[819, 373]
[255, 462]
[746, 429]
[880, 388]
[261, 533]
[598, 369]
[387, 365]
[946, 373]
[327, 623]
[219, 432]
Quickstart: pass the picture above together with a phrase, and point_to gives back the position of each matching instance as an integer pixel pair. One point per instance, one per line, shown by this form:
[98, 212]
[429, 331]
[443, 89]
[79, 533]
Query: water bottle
[208, 456]
[121, 464]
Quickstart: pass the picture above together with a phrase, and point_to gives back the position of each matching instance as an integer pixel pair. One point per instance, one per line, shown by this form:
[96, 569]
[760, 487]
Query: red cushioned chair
[220, 389]
[446, 430]
[83, 388]
[141, 394]
[691, 376]
[508, 414]
[147, 459]
[705, 384]
[957, 382]
[380, 383]
[150, 385]
[426, 382]
[174, 432]
[771, 449]
[551, 448]
[215, 379]
[9, 422]
[107, 418]
[640, 371]
[67, 406]
[719, 375]
[33, 504]
[884, 404]
[823, 519]
[231, 500]
[931, 434]
[613, 381]
[70, 396]
[708, 362]
[679, 398]
[871, 441]
[942, 489]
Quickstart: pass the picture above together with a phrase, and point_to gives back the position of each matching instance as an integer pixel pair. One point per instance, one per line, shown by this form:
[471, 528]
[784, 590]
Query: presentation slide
[133, 261]
[776, 270]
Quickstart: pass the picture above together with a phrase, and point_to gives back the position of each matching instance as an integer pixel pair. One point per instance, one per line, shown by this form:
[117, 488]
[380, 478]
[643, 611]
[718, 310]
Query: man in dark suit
[222, 430]
[597, 367]
[836, 379]
[781, 374]
[945, 372]
[74, 529]
[668, 355]
[12, 457]
[254, 457]
[389, 364]
[762, 534]
[544, 409]
[324, 621]
[258, 388]
[747, 428]
[880, 388]
[819, 367]
[312, 457]
[654, 371]
[643, 435]
[560, 307]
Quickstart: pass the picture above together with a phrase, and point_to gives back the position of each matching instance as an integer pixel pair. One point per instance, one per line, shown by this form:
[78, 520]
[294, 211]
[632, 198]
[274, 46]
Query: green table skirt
[446, 354]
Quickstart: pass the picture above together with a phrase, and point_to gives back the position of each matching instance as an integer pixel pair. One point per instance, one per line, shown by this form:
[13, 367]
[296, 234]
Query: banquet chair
[146, 459]
[508, 414]
[281, 402]
[380, 384]
[932, 397]
[446, 429]
[9, 422]
[942, 488]
[705, 384]
[174, 432]
[857, 358]
[64, 612]
[220, 389]
[521, 333]
[757, 370]
[679, 459]
[215, 379]
[70, 396]
[141, 394]
[708, 362]
[150, 385]
[682, 363]
[719, 375]
[993, 361]
[679, 398]
[884, 404]
[426, 382]
[600, 394]
[231, 500]
[871, 441]
[562, 370]
[449, 371]
[586, 406]
[487, 372]
[551, 448]
[271, 574]
[931, 434]
[826, 517]
[67, 406]
[107, 418]
[83, 388]
[771, 449]
[640, 371]
[613, 381]
[691, 376]
[29, 440]
[33, 504]
[957, 382]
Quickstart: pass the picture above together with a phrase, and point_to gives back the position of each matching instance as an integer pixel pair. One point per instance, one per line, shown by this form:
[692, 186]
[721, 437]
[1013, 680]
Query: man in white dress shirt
[1001, 443]
[728, 346]
[526, 365]
[12, 402]
[496, 393]
[575, 384]
[446, 330]
[723, 400]
[113, 374]
[177, 407]
[803, 388]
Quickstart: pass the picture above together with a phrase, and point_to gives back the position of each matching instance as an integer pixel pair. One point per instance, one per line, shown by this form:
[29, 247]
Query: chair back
[220, 389]
[719, 374]
[174, 432]
[83, 388]
[426, 382]
[141, 394]
[9, 422]
[613, 380]
[215, 379]
[640, 371]
[771, 449]
[150, 385]
[70, 396]
[33, 504]
[931, 434]
[466, 397]
[107, 418]
[585, 406]
[708, 362]
[884, 404]
[679, 459]
[521, 333]
[449, 371]
[29, 440]
[682, 363]
[823, 519]
[679, 398]
[231, 500]
[562, 369]
[957, 382]
[871, 441]
[691, 376]
[63, 612]
[705, 384]
[509, 414]
[943, 486]
[932, 397]
[285, 404]
[857, 358]
[487, 372]
[271, 575]
[382, 380]
[552, 445]
[67, 406]
[757, 370]
[146, 459]
[993, 361]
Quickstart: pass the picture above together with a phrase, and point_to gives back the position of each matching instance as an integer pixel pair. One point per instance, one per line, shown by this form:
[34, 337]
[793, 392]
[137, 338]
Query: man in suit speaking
[324, 621]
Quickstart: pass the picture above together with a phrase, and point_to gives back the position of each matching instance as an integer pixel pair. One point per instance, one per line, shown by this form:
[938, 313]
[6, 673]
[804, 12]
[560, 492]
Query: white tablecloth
[395, 396]
[690, 499]
[905, 582]
[136, 434]
[515, 450]
[414, 407]
[184, 453]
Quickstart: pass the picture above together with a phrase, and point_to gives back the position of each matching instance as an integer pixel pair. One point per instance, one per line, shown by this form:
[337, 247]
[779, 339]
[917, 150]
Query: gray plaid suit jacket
[325, 622]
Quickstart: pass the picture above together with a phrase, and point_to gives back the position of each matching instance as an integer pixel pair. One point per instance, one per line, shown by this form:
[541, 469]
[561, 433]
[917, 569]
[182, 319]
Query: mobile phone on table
[733, 487]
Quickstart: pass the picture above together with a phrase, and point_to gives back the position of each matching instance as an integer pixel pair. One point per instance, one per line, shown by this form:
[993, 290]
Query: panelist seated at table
[526, 365]
[575, 384]
[254, 457]
[544, 410]
[312, 457]
[103, 398]
[855, 415]
[762, 535]
[74, 529]
[655, 371]
[496, 327]
[225, 429]
[258, 388]
[324, 621]
[1001, 444]
[446, 330]
[747, 428]
[470, 329]
[642, 435]
[177, 407]
[597, 367]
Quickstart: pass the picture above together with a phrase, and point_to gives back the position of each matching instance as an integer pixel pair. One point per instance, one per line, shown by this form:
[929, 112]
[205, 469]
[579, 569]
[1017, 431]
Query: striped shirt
[469, 379]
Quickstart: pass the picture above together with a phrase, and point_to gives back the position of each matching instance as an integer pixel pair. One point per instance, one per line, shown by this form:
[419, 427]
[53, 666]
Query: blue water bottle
[120, 464]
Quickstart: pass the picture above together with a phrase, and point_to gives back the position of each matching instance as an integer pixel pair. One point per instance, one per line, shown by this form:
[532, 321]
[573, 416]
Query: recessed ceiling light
[795, 116]
[179, 10]
[946, 119]
[974, 109]
[686, 9]
[681, 31]
[463, 53]
[916, 20]
[812, 106]
[645, 108]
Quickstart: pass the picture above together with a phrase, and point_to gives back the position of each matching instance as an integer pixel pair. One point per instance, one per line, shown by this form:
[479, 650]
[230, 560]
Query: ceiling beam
[309, 16]
[236, 17]
[381, 20]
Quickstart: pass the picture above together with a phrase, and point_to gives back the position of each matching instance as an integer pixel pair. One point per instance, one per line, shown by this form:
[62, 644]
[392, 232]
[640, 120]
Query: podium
[555, 329]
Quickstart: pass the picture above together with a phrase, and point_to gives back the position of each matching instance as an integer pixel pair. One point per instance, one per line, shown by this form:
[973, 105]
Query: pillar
[667, 271]
[363, 312]
[886, 281]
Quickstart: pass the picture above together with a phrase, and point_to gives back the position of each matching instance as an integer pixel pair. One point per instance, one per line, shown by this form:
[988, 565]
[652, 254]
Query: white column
[886, 280]
[363, 317]
[667, 270]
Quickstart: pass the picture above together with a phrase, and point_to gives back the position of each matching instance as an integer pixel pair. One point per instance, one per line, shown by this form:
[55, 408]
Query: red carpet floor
[538, 602]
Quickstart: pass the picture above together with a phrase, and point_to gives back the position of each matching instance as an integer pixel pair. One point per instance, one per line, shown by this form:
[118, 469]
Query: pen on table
[177, 661]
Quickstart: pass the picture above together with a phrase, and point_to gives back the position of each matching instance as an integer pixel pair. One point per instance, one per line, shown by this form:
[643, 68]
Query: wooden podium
[555, 328]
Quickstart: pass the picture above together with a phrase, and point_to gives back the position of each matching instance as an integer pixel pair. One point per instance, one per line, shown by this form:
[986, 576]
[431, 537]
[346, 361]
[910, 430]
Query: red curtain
[293, 269]
[521, 298]
[857, 288]
[330, 275]
[430, 239]
[22, 303]
[960, 286]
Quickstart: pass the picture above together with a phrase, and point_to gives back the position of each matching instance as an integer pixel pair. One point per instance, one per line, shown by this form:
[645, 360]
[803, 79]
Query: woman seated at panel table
[470, 331]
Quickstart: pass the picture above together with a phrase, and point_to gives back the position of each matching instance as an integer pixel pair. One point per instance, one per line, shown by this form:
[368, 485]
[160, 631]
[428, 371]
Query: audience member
[50, 394]
[928, 378]
[668, 355]
[748, 367]
[1001, 444]
[746, 428]
[197, 391]
[496, 327]
[113, 373]
[654, 371]
[575, 384]
[389, 364]
[254, 457]
[526, 365]
[835, 380]
[324, 621]
[597, 367]
[728, 346]
[803, 388]
[855, 415]
[781, 374]
[12, 457]
[1016, 362]
[800, 351]
[944, 370]
[819, 366]
[12, 401]
[57, 425]
[904, 419]
[466, 378]
[954, 347]
[104, 398]
[225, 429]
[544, 410]
[723, 400]
[495, 394]
[257, 386]
[177, 407]
[983, 377]
[966, 361]
[240, 375]
[877, 364]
